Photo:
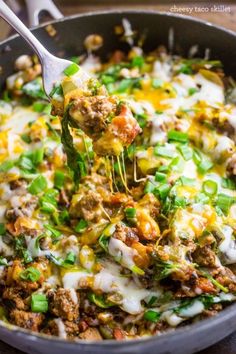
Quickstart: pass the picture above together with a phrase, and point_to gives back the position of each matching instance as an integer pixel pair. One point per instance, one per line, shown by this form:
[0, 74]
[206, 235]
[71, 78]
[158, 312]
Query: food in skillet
[118, 244]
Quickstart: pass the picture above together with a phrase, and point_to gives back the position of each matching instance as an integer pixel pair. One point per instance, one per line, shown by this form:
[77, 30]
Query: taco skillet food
[117, 207]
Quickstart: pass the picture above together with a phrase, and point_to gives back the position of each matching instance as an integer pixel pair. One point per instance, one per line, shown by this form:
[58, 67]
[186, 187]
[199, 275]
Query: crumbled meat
[18, 183]
[62, 304]
[204, 256]
[91, 334]
[92, 113]
[227, 278]
[28, 320]
[121, 132]
[15, 297]
[223, 127]
[126, 234]
[71, 328]
[89, 206]
[150, 203]
[231, 166]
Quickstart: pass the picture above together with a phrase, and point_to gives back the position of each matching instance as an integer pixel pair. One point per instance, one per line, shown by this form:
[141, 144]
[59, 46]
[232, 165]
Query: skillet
[68, 41]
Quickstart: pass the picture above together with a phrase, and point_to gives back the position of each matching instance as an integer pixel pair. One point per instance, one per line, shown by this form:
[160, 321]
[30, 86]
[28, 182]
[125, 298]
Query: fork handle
[34, 7]
[8, 15]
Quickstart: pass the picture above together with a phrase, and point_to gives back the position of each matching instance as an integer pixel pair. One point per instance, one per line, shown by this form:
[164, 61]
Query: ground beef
[223, 127]
[28, 320]
[62, 304]
[231, 166]
[227, 278]
[204, 256]
[92, 113]
[89, 206]
[71, 328]
[126, 234]
[15, 297]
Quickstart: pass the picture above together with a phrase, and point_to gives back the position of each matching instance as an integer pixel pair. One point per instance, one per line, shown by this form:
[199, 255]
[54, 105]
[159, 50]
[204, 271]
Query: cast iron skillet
[68, 41]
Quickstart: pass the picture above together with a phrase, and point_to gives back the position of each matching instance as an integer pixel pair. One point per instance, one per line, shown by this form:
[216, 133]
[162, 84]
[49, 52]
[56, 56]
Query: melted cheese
[109, 280]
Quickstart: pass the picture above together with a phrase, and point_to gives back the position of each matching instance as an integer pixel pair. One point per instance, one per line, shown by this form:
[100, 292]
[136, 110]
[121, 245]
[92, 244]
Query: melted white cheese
[121, 252]
[19, 119]
[109, 280]
[228, 245]
[61, 328]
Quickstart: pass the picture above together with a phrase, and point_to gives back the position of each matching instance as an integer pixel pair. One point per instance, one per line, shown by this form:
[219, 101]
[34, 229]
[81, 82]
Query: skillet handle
[34, 7]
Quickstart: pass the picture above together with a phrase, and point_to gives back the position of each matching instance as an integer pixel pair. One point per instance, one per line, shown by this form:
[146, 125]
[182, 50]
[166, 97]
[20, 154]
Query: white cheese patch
[109, 280]
[19, 119]
[121, 252]
[228, 245]
[61, 328]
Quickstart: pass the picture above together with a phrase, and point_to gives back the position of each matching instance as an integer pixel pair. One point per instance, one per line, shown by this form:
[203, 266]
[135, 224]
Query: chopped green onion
[224, 202]
[197, 158]
[69, 260]
[137, 61]
[135, 269]
[59, 179]
[104, 242]
[228, 183]
[204, 166]
[71, 69]
[39, 106]
[192, 91]
[177, 164]
[202, 198]
[210, 187]
[3, 261]
[47, 207]
[152, 301]
[177, 136]
[162, 191]
[163, 151]
[164, 168]
[124, 85]
[160, 177]
[99, 300]
[30, 274]
[26, 138]
[152, 316]
[185, 151]
[2, 229]
[39, 303]
[107, 79]
[149, 187]
[81, 226]
[180, 202]
[6, 166]
[25, 163]
[37, 185]
[130, 213]
[54, 232]
[142, 119]
[185, 181]
[185, 69]
[36, 156]
[64, 216]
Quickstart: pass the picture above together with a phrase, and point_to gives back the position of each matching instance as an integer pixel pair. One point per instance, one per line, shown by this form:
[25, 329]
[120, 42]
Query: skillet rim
[201, 326]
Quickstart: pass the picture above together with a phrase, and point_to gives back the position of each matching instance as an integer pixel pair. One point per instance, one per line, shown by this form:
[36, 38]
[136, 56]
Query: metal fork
[52, 66]
[35, 7]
